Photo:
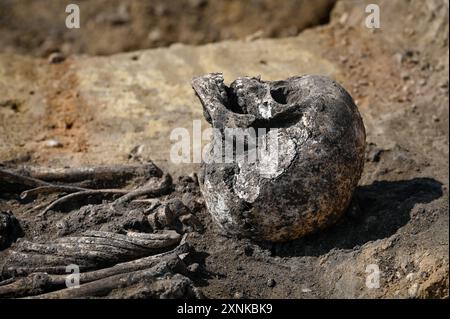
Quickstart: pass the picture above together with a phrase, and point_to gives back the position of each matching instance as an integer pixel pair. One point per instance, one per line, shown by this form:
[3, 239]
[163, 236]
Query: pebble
[271, 282]
[56, 57]
[191, 221]
[53, 143]
[412, 291]
[238, 295]
[405, 76]
[162, 217]
[155, 35]
[177, 207]
[194, 267]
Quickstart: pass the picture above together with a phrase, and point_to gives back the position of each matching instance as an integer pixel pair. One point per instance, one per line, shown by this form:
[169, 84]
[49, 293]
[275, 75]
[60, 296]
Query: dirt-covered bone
[309, 182]
[84, 184]
[39, 282]
[91, 250]
[106, 232]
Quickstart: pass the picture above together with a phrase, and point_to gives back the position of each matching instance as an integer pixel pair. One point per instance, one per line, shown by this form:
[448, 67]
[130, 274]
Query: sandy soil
[112, 26]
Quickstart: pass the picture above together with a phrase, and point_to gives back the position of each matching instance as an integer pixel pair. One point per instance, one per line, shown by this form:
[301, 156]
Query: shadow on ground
[377, 211]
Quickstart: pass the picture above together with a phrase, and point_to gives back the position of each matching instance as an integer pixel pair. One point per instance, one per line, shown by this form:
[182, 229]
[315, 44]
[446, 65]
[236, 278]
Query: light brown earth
[112, 26]
[101, 108]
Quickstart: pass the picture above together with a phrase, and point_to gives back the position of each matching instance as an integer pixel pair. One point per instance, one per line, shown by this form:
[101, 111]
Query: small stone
[271, 282]
[137, 151]
[343, 59]
[192, 222]
[194, 177]
[177, 207]
[155, 35]
[412, 291]
[410, 276]
[53, 143]
[398, 57]
[134, 220]
[162, 217]
[254, 36]
[444, 86]
[190, 201]
[238, 295]
[405, 76]
[422, 82]
[56, 57]
[373, 153]
[343, 18]
[195, 267]
[121, 16]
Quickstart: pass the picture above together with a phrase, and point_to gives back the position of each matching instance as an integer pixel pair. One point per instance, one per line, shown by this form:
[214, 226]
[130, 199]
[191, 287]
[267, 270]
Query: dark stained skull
[304, 185]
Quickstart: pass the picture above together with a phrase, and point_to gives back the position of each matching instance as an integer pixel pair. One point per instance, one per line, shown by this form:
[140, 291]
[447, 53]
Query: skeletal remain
[89, 251]
[308, 181]
[149, 189]
[37, 283]
[93, 176]
[102, 287]
[118, 254]
[38, 181]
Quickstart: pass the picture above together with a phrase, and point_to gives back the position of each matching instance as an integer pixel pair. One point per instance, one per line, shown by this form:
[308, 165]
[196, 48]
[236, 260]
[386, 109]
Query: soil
[398, 218]
[112, 26]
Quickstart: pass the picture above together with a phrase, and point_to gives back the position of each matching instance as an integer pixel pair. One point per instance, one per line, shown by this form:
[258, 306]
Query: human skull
[307, 182]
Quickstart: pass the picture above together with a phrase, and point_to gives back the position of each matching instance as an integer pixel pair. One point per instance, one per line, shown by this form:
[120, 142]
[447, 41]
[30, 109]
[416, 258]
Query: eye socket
[279, 95]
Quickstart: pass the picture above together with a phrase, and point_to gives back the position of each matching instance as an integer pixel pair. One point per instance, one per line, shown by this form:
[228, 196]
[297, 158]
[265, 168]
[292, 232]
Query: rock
[190, 201]
[56, 57]
[134, 220]
[271, 283]
[177, 207]
[316, 142]
[162, 217]
[193, 267]
[52, 143]
[373, 153]
[192, 222]
[238, 295]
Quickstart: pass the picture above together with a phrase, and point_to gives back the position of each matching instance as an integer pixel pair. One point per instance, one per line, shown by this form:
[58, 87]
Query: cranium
[308, 183]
